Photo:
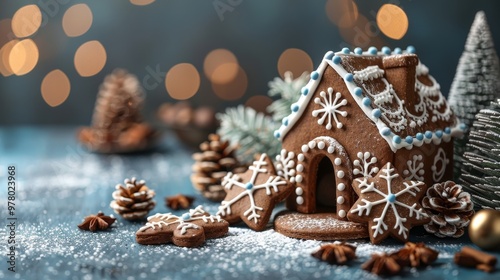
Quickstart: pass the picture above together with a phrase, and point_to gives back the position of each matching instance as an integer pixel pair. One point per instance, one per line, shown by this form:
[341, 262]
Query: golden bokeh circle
[296, 61]
[259, 103]
[392, 21]
[182, 81]
[221, 66]
[90, 58]
[342, 13]
[55, 88]
[23, 57]
[141, 2]
[26, 21]
[5, 68]
[234, 89]
[77, 20]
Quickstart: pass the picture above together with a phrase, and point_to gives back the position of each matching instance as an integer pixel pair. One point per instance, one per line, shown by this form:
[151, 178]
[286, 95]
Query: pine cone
[450, 209]
[134, 200]
[212, 164]
[117, 125]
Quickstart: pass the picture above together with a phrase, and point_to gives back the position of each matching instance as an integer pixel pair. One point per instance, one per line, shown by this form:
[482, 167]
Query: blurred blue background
[162, 34]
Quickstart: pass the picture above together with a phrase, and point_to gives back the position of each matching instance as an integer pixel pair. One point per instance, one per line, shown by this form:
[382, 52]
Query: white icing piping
[394, 141]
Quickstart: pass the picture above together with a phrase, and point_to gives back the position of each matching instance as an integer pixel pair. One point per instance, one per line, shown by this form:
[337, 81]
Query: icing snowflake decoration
[390, 200]
[233, 180]
[161, 220]
[415, 170]
[362, 166]
[439, 166]
[285, 165]
[330, 108]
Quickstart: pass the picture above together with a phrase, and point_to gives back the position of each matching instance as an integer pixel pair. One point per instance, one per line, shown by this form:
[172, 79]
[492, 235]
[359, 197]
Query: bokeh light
[90, 58]
[5, 68]
[392, 21]
[182, 81]
[233, 90]
[141, 2]
[55, 88]
[26, 21]
[23, 57]
[5, 31]
[296, 61]
[77, 20]
[259, 103]
[221, 66]
[342, 13]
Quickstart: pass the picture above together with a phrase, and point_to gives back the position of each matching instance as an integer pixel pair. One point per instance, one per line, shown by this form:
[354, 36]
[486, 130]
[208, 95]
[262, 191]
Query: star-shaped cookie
[251, 196]
[189, 230]
[389, 204]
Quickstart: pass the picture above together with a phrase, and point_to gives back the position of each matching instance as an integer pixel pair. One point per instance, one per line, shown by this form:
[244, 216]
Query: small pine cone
[450, 209]
[134, 200]
[211, 165]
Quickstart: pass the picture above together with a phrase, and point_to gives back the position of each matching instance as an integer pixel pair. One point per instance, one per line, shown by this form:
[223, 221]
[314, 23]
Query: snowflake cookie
[189, 230]
[251, 196]
[389, 204]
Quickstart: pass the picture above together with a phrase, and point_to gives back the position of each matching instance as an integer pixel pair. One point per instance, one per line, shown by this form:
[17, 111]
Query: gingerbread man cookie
[251, 196]
[189, 230]
[389, 204]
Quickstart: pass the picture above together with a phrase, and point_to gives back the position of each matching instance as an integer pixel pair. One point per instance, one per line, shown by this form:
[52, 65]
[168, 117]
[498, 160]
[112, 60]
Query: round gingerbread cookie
[318, 226]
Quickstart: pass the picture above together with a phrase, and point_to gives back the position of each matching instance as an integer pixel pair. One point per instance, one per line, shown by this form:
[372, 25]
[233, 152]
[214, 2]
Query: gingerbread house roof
[431, 120]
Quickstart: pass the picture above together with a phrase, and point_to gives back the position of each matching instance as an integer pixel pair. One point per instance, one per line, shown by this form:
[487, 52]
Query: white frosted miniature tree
[476, 82]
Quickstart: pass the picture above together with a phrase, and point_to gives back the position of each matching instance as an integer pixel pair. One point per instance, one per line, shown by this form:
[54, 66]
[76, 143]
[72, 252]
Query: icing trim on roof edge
[394, 141]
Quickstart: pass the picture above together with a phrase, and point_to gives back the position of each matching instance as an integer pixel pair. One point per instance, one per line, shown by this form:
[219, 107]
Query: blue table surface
[59, 183]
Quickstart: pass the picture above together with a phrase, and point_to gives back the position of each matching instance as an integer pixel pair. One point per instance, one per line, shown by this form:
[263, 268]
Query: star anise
[97, 222]
[179, 201]
[336, 253]
[382, 265]
[416, 255]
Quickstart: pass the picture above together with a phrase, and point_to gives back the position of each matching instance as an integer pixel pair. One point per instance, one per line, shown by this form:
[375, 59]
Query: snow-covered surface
[51, 202]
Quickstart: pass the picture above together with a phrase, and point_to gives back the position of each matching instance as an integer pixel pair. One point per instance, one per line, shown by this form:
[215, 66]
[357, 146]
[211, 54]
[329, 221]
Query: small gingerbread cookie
[389, 204]
[251, 196]
[189, 230]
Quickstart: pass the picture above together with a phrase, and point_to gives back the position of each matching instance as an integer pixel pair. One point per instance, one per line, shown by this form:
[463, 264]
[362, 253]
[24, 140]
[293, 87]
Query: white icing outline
[380, 226]
[395, 142]
[231, 180]
[415, 170]
[437, 175]
[362, 164]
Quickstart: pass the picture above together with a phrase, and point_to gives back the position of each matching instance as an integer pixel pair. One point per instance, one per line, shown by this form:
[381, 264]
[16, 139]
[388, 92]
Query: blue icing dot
[409, 139]
[346, 51]
[385, 131]
[428, 134]
[358, 91]
[372, 50]
[447, 130]
[367, 101]
[314, 75]
[349, 77]
[439, 133]
[386, 50]
[463, 126]
[391, 198]
[248, 186]
[411, 49]
[396, 139]
[329, 55]
[376, 113]
[420, 136]
[337, 59]
[358, 51]
[398, 51]
[295, 107]
[185, 216]
[305, 91]
[285, 121]
[277, 134]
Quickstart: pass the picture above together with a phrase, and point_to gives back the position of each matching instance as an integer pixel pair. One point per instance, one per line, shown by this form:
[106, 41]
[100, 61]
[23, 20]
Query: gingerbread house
[359, 111]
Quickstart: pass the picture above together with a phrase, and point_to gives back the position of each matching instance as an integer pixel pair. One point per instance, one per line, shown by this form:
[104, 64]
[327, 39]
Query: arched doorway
[325, 186]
